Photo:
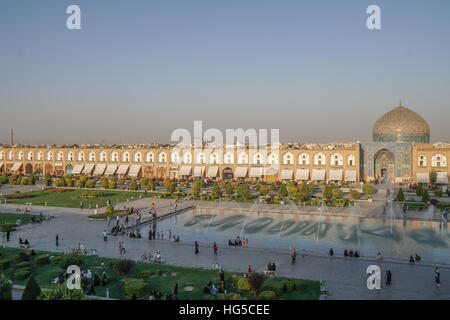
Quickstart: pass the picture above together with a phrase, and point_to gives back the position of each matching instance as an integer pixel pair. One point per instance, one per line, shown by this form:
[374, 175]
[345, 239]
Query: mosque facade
[400, 149]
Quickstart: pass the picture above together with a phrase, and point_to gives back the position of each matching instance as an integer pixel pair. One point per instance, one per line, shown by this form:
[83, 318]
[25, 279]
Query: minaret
[12, 137]
[400, 102]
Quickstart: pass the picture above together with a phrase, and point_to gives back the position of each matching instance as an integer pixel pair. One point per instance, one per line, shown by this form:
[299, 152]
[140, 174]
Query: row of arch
[287, 158]
[437, 160]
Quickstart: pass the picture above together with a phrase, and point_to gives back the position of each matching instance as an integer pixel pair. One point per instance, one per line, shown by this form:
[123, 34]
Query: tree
[112, 184]
[170, 187]
[105, 183]
[5, 288]
[282, 192]
[133, 185]
[327, 192]
[243, 191]
[151, 185]
[419, 190]
[425, 196]
[337, 193]
[196, 189]
[256, 282]
[32, 290]
[400, 195]
[215, 192]
[264, 190]
[229, 188]
[433, 176]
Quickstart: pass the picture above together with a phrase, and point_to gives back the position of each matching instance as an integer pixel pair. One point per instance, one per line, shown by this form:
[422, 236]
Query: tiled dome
[401, 125]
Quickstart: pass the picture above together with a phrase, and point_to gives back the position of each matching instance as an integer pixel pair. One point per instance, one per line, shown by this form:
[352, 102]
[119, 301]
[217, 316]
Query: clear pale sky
[139, 69]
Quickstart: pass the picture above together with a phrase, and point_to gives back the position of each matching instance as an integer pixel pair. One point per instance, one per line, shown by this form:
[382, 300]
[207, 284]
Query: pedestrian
[108, 219]
[293, 256]
[222, 275]
[7, 236]
[120, 247]
[57, 239]
[81, 205]
[126, 220]
[437, 276]
[105, 235]
[175, 292]
[331, 251]
[123, 247]
[215, 248]
[196, 247]
[388, 277]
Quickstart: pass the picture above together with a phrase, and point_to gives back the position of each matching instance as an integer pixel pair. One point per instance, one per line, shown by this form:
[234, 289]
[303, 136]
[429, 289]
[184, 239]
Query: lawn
[71, 198]
[163, 277]
[13, 217]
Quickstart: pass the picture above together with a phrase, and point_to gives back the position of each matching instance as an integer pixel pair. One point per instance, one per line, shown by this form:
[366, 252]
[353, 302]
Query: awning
[123, 168]
[270, 171]
[442, 178]
[212, 172]
[335, 175]
[423, 177]
[185, 171]
[88, 168]
[100, 169]
[350, 175]
[111, 169]
[302, 174]
[16, 166]
[198, 171]
[77, 169]
[256, 172]
[241, 172]
[134, 170]
[318, 175]
[286, 174]
[59, 164]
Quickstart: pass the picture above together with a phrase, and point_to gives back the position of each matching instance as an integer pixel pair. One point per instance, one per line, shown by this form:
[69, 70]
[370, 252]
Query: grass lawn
[13, 217]
[163, 277]
[113, 214]
[71, 198]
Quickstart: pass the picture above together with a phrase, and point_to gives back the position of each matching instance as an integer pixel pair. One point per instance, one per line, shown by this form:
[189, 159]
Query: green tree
[327, 192]
[433, 176]
[273, 188]
[243, 191]
[425, 196]
[282, 192]
[229, 188]
[419, 190]
[105, 183]
[215, 192]
[196, 189]
[151, 185]
[337, 193]
[32, 290]
[5, 288]
[400, 195]
[112, 184]
[133, 185]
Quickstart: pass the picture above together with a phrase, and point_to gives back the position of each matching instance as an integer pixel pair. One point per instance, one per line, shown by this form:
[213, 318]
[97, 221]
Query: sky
[137, 70]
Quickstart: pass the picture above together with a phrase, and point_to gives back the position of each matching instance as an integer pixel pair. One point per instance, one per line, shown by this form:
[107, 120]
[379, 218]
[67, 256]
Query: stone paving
[345, 278]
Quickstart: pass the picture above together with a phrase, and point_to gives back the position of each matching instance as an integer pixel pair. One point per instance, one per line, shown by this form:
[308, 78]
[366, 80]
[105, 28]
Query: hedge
[25, 264]
[267, 295]
[4, 264]
[42, 260]
[22, 274]
[136, 287]
[21, 257]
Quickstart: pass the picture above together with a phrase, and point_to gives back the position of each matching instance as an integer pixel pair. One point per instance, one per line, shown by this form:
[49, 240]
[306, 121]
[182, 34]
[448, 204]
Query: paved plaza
[345, 278]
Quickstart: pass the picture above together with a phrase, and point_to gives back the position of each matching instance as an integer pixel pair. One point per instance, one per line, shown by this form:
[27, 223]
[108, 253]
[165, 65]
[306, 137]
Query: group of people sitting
[24, 244]
[238, 242]
[135, 234]
[415, 258]
[210, 288]
[36, 219]
[351, 254]
[118, 230]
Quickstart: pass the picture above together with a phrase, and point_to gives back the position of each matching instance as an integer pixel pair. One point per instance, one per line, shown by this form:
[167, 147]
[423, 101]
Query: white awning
[241, 172]
[100, 169]
[77, 169]
[212, 172]
[335, 175]
[350, 175]
[318, 175]
[442, 178]
[270, 171]
[59, 164]
[256, 172]
[286, 174]
[302, 174]
[423, 177]
[185, 171]
[16, 166]
[198, 171]
[134, 170]
[123, 168]
[111, 169]
[88, 168]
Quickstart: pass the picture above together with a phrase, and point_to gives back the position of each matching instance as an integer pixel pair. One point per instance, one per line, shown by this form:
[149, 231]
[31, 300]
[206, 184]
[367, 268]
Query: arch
[114, 157]
[49, 155]
[384, 163]
[229, 158]
[29, 155]
[257, 158]
[102, 156]
[149, 172]
[162, 157]
[175, 157]
[303, 159]
[28, 168]
[351, 160]
[91, 156]
[19, 155]
[187, 157]
[422, 160]
[10, 155]
[80, 156]
[336, 159]
[69, 169]
[2, 155]
[149, 157]
[243, 158]
[48, 169]
[137, 157]
[272, 158]
[214, 158]
[39, 156]
[69, 156]
[319, 159]
[200, 158]
[439, 160]
[126, 156]
[288, 158]
[227, 173]
[59, 156]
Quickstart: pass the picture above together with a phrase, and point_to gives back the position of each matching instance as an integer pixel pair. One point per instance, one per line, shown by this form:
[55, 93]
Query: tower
[12, 137]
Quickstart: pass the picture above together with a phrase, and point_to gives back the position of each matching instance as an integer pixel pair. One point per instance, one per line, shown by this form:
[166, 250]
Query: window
[319, 159]
[303, 159]
[288, 158]
[149, 157]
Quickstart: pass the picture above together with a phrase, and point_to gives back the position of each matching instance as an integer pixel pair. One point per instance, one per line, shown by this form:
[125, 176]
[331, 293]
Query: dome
[401, 125]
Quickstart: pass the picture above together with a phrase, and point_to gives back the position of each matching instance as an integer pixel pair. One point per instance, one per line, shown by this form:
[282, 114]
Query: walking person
[7, 236]
[123, 247]
[437, 276]
[388, 277]
[105, 236]
[175, 292]
[293, 256]
[81, 205]
[120, 247]
[57, 239]
[215, 248]
[196, 247]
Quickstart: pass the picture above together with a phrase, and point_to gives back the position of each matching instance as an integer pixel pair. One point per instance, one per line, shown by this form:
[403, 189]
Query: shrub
[4, 179]
[368, 189]
[400, 195]
[145, 274]
[21, 257]
[25, 264]
[42, 260]
[80, 183]
[4, 264]
[337, 193]
[60, 182]
[69, 182]
[112, 184]
[425, 196]
[124, 266]
[438, 193]
[32, 290]
[136, 287]
[90, 184]
[196, 190]
[264, 190]
[243, 191]
[243, 284]
[70, 259]
[22, 274]
[120, 181]
[62, 294]
[143, 181]
[255, 282]
[282, 192]
[267, 295]
[151, 185]
[5, 288]
[354, 194]
[105, 183]
[419, 190]
[133, 185]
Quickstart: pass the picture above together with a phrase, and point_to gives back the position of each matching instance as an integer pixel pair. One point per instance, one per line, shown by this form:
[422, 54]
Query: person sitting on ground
[345, 253]
[356, 254]
[350, 253]
[230, 243]
[177, 239]
[411, 259]
[26, 243]
[208, 287]
[269, 266]
[213, 290]
[379, 256]
[273, 266]
[331, 251]
[417, 257]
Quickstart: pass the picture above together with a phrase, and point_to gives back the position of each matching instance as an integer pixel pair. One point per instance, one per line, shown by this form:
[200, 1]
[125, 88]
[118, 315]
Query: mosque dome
[401, 125]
